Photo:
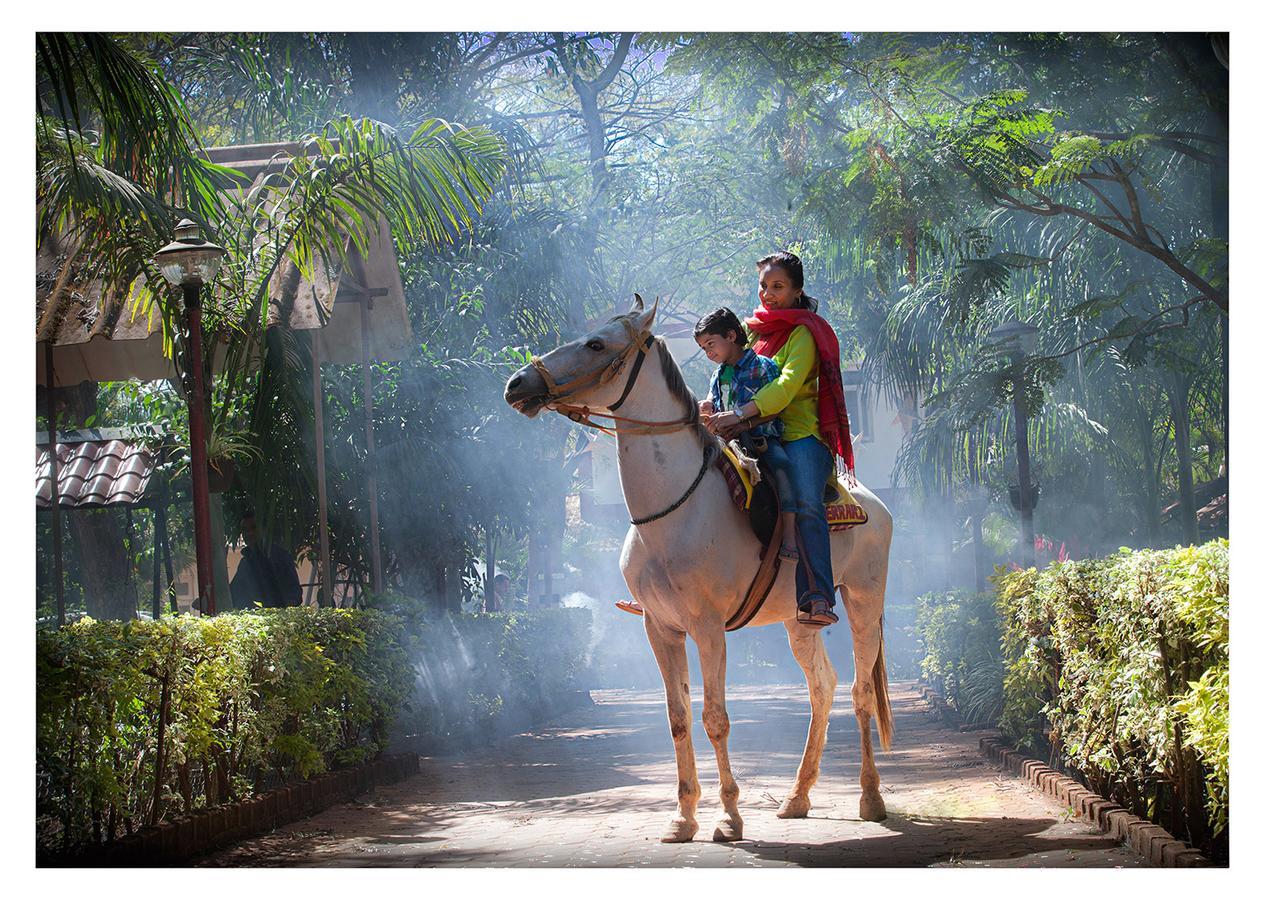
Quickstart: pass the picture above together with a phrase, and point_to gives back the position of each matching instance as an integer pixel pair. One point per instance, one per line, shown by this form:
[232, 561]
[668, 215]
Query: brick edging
[174, 843]
[1144, 836]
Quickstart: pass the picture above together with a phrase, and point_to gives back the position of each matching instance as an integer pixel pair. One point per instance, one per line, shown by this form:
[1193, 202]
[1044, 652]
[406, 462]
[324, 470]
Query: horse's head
[590, 371]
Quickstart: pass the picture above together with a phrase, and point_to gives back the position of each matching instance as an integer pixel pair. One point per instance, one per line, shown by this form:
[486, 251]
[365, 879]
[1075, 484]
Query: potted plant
[225, 446]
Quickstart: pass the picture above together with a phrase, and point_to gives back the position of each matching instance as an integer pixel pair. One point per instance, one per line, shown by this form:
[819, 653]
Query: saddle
[752, 490]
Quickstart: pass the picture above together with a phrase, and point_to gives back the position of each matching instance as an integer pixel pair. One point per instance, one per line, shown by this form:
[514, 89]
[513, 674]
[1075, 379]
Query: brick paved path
[597, 788]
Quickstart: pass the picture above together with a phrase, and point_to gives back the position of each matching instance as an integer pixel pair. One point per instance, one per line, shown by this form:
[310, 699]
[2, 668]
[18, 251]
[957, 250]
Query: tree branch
[603, 81]
[1141, 332]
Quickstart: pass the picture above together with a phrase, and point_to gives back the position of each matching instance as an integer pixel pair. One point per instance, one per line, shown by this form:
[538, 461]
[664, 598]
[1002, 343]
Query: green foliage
[1120, 668]
[1205, 713]
[476, 674]
[241, 701]
[962, 652]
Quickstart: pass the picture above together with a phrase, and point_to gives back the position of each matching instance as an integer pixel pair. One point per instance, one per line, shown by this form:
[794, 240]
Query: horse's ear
[639, 305]
[646, 319]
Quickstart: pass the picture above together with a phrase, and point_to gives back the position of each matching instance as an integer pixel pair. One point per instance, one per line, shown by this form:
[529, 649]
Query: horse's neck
[656, 469]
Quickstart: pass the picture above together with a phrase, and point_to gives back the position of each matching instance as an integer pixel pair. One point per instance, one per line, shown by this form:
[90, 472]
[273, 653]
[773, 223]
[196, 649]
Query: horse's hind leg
[711, 656]
[869, 691]
[810, 653]
[669, 652]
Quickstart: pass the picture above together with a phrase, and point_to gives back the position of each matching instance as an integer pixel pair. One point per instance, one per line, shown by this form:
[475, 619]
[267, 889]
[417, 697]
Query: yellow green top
[793, 397]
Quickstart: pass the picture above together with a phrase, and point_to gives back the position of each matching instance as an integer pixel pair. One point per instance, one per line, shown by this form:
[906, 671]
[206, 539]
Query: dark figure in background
[500, 594]
[267, 575]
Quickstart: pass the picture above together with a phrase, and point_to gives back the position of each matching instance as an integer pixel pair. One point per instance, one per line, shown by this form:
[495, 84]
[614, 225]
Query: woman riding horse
[808, 397]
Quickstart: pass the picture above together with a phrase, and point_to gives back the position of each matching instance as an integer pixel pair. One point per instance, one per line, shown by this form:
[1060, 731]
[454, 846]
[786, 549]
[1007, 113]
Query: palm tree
[118, 162]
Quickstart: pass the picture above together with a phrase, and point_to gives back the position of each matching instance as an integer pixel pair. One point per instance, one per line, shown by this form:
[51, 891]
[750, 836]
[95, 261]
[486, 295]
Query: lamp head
[190, 258]
[1014, 337]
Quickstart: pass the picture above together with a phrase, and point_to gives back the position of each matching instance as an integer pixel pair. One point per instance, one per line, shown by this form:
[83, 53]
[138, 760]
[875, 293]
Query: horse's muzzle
[525, 391]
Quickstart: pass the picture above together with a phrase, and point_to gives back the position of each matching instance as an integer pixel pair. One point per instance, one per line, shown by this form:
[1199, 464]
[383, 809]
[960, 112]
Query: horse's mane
[681, 391]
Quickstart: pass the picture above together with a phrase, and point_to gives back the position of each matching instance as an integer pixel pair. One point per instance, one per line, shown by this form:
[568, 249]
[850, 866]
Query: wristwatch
[738, 413]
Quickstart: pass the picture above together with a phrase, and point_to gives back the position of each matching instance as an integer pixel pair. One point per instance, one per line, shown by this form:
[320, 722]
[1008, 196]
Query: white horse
[690, 568]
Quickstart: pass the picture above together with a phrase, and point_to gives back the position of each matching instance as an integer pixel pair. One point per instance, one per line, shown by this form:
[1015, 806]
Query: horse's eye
[595, 345]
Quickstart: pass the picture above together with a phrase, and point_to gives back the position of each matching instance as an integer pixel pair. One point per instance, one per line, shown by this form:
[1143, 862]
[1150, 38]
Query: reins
[639, 341]
[707, 460]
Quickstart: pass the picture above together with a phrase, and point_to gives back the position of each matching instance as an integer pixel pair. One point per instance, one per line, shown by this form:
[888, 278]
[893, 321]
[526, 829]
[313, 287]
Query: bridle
[639, 342]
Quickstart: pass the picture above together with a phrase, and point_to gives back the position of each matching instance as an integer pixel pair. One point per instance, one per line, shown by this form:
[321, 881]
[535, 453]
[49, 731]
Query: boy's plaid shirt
[751, 373]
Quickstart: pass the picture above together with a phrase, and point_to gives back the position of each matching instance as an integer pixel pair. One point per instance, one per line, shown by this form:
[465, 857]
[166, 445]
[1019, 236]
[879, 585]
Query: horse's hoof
[794, 808]
[680, 831]
[873, 809]
[728, 829]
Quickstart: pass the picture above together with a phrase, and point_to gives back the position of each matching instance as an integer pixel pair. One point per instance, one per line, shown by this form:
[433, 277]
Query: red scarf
[772, 328]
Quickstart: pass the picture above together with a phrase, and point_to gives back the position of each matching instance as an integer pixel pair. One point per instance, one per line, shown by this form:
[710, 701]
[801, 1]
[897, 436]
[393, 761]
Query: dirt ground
[597, 787]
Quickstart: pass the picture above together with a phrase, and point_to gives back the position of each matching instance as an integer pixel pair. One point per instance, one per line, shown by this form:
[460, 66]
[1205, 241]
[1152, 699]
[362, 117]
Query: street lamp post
[1016, 339]
[190, 261]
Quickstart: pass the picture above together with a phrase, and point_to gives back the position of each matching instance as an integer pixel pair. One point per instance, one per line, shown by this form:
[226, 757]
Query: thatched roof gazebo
[354, 311]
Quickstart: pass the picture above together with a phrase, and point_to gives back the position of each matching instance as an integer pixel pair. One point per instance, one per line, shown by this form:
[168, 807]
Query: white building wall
[879, 442]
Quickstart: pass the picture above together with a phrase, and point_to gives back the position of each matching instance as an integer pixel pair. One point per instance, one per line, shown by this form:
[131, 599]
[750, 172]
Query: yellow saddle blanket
[841, 513]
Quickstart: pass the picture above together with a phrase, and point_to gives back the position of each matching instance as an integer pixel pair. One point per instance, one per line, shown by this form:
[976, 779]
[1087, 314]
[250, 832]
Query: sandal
[789, 554]
[817, 613]
[630, 606]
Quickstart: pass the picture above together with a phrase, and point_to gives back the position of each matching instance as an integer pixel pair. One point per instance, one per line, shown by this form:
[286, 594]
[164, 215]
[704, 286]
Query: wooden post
[157, 607]
[1027, 535]
[166, 542]
[55, 498]
[489, 564]
[375, 549]
[318, 408]
[197, 453]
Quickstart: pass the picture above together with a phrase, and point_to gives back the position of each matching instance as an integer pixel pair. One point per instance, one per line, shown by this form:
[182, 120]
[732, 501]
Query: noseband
[639, 342]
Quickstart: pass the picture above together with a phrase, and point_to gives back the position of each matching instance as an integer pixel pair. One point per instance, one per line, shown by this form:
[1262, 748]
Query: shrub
[1118, 668]
[479, 675]
[961, 652]
[137, 720]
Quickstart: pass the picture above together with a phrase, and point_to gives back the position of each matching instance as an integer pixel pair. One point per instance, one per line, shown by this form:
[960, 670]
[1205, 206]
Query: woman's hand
[727, 425]
[705, 408]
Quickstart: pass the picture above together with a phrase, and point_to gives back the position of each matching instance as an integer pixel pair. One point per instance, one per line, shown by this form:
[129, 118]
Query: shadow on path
[597, 787]
[928, 840]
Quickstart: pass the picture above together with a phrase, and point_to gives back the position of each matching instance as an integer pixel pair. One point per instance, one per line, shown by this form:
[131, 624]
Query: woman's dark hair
[790, 264]
[720, 322]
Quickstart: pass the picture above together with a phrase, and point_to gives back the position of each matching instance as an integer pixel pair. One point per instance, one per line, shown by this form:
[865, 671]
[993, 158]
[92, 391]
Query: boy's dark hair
[720, 322]
[790, 264]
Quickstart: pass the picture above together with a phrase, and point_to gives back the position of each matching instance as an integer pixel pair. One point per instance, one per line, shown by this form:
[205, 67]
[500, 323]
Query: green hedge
[1119, 669]
[959, 633]
[140, 720]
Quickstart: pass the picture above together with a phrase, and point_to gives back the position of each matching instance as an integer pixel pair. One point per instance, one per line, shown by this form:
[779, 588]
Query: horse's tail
[883, 708]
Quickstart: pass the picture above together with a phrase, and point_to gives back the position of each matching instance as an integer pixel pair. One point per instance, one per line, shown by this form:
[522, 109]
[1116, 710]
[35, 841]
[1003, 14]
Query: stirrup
[816, 613]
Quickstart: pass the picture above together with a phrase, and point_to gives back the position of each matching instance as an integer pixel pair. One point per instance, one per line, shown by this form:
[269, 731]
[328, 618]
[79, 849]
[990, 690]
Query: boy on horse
[740, 373]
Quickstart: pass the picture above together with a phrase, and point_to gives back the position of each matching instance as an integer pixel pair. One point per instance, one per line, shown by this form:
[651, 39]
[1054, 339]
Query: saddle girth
[762, 583]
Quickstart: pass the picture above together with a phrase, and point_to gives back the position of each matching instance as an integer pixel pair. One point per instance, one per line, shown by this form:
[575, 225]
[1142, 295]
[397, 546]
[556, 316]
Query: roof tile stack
[94, 474]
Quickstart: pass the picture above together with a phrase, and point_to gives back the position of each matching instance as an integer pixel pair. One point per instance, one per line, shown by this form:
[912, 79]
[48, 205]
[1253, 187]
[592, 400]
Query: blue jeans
[779, 465]
[811, 462]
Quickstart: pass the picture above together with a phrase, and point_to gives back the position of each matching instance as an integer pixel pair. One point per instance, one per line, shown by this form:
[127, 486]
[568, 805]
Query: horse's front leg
[810, 653]
[669, 652]
[711, 656]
